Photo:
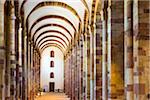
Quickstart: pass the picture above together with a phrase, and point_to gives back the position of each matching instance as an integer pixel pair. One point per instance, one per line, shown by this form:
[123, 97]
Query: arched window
[52, 54]
[51, 75]
[52, 64]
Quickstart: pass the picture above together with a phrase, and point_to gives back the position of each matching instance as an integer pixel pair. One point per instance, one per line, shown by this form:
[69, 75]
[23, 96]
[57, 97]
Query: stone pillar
[12, 53]
[85, 66]
[79, 69]
[82, 77]
[72, 66]
[33, 72]
[65, 74]
[75, 81]
[92, 30]
[2, 52]
[39, 71]
[7, 69]
[104, 53]
[69, 80]
[98, 57]
[70, 76]
[141, 49]
[17, 56]
[20, 60]
[88, 66]
[128, 48]
[115, 51]
[28, 68]
[24, 64]
[31, 66]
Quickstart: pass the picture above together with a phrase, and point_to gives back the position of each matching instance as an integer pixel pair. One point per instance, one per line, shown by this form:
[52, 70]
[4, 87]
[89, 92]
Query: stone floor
[52, 96]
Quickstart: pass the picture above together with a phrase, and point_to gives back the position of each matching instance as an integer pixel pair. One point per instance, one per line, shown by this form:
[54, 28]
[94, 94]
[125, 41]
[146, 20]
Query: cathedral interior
[102, 49]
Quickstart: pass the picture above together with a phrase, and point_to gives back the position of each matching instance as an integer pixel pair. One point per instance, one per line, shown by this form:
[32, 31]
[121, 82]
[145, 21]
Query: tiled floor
[52, 96]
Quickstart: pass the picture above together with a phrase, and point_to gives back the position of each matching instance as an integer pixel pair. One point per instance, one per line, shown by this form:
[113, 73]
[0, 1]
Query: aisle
[52, 96]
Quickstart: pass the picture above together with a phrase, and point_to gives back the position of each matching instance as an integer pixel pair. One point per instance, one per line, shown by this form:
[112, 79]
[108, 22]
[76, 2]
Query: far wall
[58, 69]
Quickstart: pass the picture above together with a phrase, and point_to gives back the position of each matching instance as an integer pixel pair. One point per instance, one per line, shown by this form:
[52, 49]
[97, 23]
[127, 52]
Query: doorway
[51, 86]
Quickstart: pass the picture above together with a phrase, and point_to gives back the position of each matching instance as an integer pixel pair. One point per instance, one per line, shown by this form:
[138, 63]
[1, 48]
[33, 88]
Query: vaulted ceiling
[54, 22]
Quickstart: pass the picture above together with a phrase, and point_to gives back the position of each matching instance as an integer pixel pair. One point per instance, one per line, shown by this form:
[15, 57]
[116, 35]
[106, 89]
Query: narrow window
[52, 64]
[51, 75]
[52, 54]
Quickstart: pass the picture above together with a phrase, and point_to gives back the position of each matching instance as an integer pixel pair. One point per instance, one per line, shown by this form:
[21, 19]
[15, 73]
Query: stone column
[72, 66]
[128, 48]
[24, 64]
[85, 66]
[115, 51]
[79, 69]
[98, 57]
[31, 66]
[141, 49]
[39, 71]
[33, 72]
[17, 56]
[2, 52]
[20, 60]
[76, 72]
[12, 53]
[82, 77]
[104, 53]
[75, 81]
[28, 69]
[70, 75]
[92, 30]
[67, 76]
[88, 66]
